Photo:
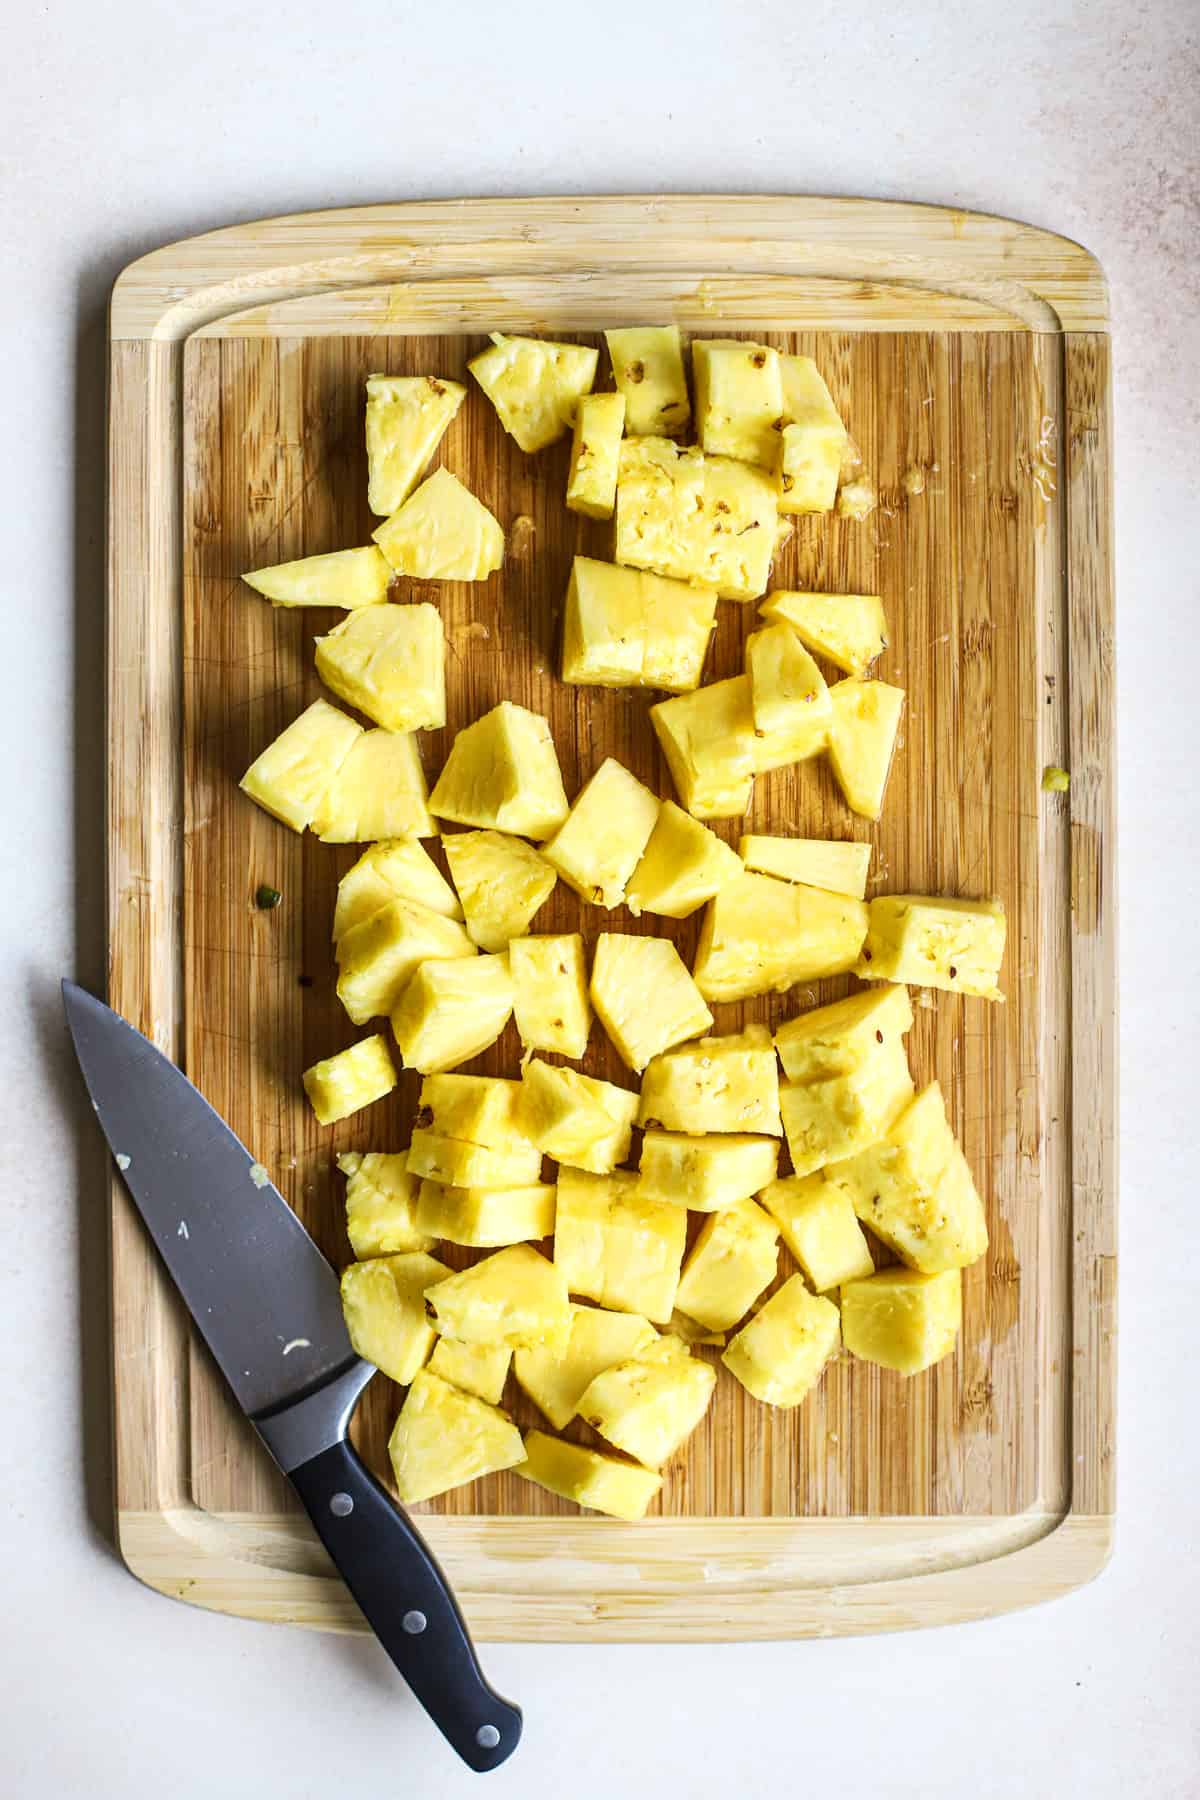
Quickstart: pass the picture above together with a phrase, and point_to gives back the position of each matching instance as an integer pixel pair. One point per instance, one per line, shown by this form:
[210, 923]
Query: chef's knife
[266, 1303]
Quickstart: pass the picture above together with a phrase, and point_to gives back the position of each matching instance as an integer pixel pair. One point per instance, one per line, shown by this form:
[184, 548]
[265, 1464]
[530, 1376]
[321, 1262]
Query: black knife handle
[408, 1604]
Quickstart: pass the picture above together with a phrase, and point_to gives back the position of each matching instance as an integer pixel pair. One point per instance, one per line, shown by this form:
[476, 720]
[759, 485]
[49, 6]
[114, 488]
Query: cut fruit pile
[596, 1286]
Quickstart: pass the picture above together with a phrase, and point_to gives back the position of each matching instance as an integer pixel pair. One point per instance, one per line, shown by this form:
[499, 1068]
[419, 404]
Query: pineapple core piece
[780, 1354]
[627, 628]
[761, 936]
[550, 998]
[683, 865]
[451, 1011]
[813, 441]
[291, 777]
[381, 1205]
[476, 1109]
[346, 578]
[501, 881]
[442, 533]
[827, 1121]
[556, 1379]
[598, 847]
[354, 1078]
[719, 1084]
[575, 1118]
[445, 1437]
[534, 385]
[838, 1039]
[739, 399]
[479, 1369]
[647, 364]
[503, 772]
[603, 1483]
[953, 944]
[396, 869]
[817, 862]
[902, 1320]
[407, 418]
[650, 1403]
[616, 1248]
[849, 629]
[735, 1258]
[820, 1229]
[705, 1174]
[389, 662]
[384, 1304]
[595, 454]
[644, 996]
[377, 958]
[862, 739]
[378, 792]
[709, 743]
[787, 690]
[514, 1297]
[452, 1163]
[486, 1218]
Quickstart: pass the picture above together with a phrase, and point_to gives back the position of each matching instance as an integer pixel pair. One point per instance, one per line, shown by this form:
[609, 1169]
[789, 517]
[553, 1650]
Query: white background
[122, 127]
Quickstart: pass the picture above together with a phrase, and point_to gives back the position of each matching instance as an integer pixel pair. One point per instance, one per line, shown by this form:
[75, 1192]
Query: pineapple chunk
[556, 1379]
[780, 1354]
[381, 1205]
[445, 1437]
[453, 1163]
[787, 690]
[953, 944]
[486, 1218]
[705, 1174]
[719, 1084]
[683, 865]
[827, 1121]
[644, 996]
[856, 500]
[513, 1297]
[442, 533]
[389, 662]
[603, 1483]
[813, 442]
[396, 869]
[291, 777]
[501, 882]
[817, 862]
[377, 958]
[479, 1369]
[627, 628]
[534, 385]
[679, 619]
[616, 1248]
[820, 1229]
[691, 1332]
[739, 399]
[708, 741]
[738, 532]
[384, 1304]
[902, 1320]
[595, 453]
[761, 936]
[735, 1258]
[862, 739]
[605, 833]
[647, 364]
[503, 772]
[407, 418]
[354, 1078]
[476, 1109]
[452, 1010]
[650, 1403]
[378, 792]
[849, 629]
[838, 1039]
[346, 578]
[578, 1120]
[550, 999]
[660, 495]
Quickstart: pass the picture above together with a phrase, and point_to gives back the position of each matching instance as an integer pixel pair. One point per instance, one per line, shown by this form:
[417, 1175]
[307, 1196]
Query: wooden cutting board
[970, 358]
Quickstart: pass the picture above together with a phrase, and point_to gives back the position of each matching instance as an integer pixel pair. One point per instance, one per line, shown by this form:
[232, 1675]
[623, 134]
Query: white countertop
[120, 130]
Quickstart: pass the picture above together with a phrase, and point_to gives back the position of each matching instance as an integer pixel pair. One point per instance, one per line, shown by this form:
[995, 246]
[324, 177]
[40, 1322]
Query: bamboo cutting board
[970, 359]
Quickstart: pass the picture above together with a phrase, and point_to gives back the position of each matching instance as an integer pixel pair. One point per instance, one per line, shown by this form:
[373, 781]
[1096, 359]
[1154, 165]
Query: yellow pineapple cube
[451, 1162]
[953, 944]
[705, 1174]
[787, 690]
[486, 1218]
[761, 936]
[395, 869]
[479, 1369]
[378, 957]
[903, 1320]
[346, 578]
[708, 740]
[628, 628]
[290, 778]
[445, 1437]
[407, 418]
[734, 1259]
[598, 847]
[840, 1038]
[575, 1118]
[816, 862]
[678, 620]
[683, 865]
[862, 740]
[556, 1377]
[780, 1354]
[604, 1483]
[660, 496]
[515, 1296]
[550, 998]
[615, 1248]
[718, 1084]
[389, 662]
[442, 533]
[813, 441]
[534, 385]
[451, 1011]
[739, 399]
[384, 1304]
[849, 629]
[378, 792]
[595, 454]
[503, 772]
[649, 1404]
[820, 1229]
[691, 1332]
[501, 880]
[644, 996]
[736, 534]
[381, 1205]
[354, 1078]
[476, 1109]
[827, 1121]
[647, 364]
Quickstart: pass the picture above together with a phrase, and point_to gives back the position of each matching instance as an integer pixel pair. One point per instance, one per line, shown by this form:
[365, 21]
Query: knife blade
[268, 1306]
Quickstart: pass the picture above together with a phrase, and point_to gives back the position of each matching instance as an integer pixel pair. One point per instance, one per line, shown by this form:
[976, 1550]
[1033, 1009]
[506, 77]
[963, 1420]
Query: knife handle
[408, 1604]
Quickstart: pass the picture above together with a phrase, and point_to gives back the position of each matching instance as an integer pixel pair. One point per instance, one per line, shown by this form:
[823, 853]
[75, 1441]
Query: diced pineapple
[501, 880]
[780, 1354]
[606, 830]
[290, 778]
[719, 1084]
[903, 1320]
[442, 533]
[384, 1304]
[787, 690]
[389, 662]
[550, 999]
[396, 869]
[820, 1229]
[839, 868]
[644, 996]
[381, 1205]
[813, 441]
[849, 629]
[407, 418]
[761, 935]
[534, 385]
[377, 958]
[739, 399]
[604, 1483]
[514, 1297]
[479, 1369]
[576, 1119]
[346, 578]
[503, 772]
[557, 1378]
[683, 865]
[476, 1109]
[708, 740]
[595, 454]
[679, 619]
[736, 535]
[953, 944]
[486, 1218]
[450, 1011]
[650, 1403]
[445, 1437]
[660, 495]
[647, 364]
[827, 1121]
[453, 1163]
[616, 1248]
[705, 1174]
[734, 1259]
[838, 1039]
[354, 1078]
[691, 1332]
[796, 742]
[628, 628]
[862, 739]
[378, 792]
[857, 500]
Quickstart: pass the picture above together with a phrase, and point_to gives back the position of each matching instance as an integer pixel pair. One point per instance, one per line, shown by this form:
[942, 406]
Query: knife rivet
[341, 1506]
[414, 1623]
[487, 1737]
